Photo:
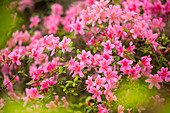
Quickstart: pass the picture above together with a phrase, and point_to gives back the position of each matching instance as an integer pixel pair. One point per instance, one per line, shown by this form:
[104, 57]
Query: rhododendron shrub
[98, 56]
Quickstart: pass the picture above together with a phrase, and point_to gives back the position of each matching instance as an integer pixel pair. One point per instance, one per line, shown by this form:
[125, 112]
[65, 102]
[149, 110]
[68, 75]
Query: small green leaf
[69, 82]
[78, 51]
[66, 65]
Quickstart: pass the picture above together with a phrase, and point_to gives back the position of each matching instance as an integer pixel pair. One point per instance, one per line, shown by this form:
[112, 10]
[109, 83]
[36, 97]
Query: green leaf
[75, 94]
[78, 51]
[66, 65]
[29, 83]
[67, 85]
[69, 82]
[76, 78]
[162, 48]
[132, 58]
[74, 84]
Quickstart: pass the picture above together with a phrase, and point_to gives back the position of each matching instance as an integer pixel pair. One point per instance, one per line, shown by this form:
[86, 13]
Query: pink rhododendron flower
[120, 50]
[131, 48]
[84, 57]
[57, 9]
[1, 103]
[110, 75]
[31, 94]
[96, 93]
[89, 83]
[104, 65]
[51, 81]
[78, 69]
[120, 109]
[15, 56]
[129, 110]
[34, 21]
[8, 83]
[77, 27]
[146, 61]
[107, 56]
[154, 81]
[164, 72]
[44, 84]
[102, 109]
[66, 104]
[25, 4]
[91, 41]
[64, 44]
[99, 82]
[146, 71]
[111, 97]
[135, 72]
[35, 52]
[125, 64]
[108, 46]
[51, 105]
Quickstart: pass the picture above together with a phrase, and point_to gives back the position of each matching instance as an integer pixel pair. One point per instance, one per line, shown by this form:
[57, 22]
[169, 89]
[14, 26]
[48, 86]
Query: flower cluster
[124, 44]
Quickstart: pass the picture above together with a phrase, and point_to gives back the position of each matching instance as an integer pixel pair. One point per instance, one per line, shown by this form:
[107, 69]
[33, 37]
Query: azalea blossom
[96, 93]
[34, 21]
[108, 46]
[31, 94]
[120, 109]
[64, 44]
[125, 64]
[154, 81]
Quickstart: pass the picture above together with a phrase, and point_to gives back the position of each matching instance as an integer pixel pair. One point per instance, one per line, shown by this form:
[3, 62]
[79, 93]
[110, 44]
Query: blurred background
[9, 23]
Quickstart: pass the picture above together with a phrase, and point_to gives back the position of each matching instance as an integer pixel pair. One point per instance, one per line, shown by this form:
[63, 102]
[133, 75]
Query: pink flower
[56, 100]
[36, 73]
[91, 41]
[146, 71]
[120, 50]
[84, 57]
[102, 109]
[35, 52]
[89, 83]
[44, 84]
[104, 65]
[1, 103]
[125, 64]
[34, 21]
[112, 97]
[99, 82]
[146, 61]
[66, 104]
[135, 72]
[131, 48]
[96, 93]
[57, 9]
[31, 94]
[114, 13]
[110, 75]
[77, 69]
[120, 109]
[15, 56]
[50, 67]
[164, 72]
[77, 27]
[154, 81]
[108, 46]
[158, 101]
[107, 56]
[129, 110]
[51, 81]
[64, 44]
[51, 105]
